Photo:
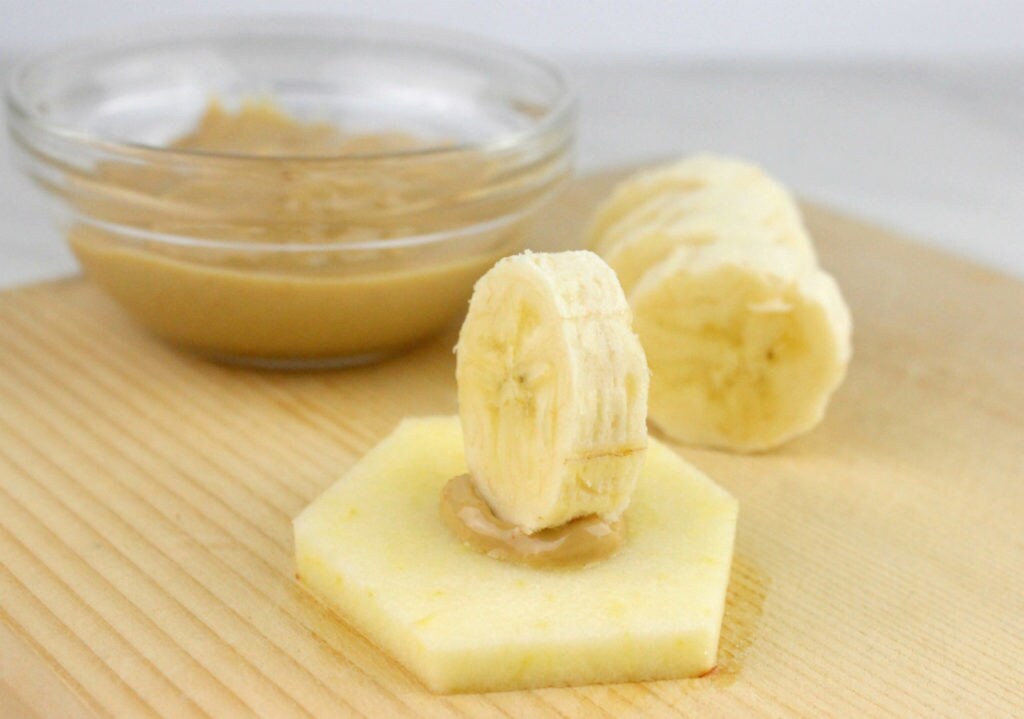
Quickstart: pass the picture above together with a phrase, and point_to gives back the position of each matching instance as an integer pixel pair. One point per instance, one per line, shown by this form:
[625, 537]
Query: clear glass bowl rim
[553, 130]
[17, 96]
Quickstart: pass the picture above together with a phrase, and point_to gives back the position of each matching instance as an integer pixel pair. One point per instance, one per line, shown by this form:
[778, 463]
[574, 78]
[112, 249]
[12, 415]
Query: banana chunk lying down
[552, 390]
[746, 337]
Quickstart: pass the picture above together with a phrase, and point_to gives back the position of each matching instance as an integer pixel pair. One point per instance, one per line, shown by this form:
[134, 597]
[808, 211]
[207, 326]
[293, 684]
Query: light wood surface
[146, 498]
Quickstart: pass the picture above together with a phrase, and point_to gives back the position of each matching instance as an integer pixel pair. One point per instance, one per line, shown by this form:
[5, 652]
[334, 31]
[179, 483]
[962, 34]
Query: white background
[907, 113]
[611, 29]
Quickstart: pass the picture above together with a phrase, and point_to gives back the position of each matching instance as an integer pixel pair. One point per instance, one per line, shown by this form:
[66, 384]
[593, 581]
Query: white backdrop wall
[611, 29]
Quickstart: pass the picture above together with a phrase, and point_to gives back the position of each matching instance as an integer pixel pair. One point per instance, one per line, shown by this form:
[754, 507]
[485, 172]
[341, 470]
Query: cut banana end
[638, 199]
[552, 390]
[745, 343]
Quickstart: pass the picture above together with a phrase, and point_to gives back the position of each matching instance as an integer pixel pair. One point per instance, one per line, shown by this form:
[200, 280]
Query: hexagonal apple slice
[374, 548]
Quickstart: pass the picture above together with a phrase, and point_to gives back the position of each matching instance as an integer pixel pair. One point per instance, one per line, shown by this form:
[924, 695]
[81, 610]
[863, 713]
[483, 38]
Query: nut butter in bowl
[291, 192]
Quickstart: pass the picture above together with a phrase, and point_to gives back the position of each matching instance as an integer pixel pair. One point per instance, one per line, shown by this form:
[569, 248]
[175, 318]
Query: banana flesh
[552, 387]
[747, 338]
[647, 246]
[699, 184]
[746, 344]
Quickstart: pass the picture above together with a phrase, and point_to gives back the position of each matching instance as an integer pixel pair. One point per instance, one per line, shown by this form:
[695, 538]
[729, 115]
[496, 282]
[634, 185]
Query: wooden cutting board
[146, 498]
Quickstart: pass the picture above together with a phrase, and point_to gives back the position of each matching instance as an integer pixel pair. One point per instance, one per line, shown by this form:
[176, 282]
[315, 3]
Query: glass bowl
[311, 255]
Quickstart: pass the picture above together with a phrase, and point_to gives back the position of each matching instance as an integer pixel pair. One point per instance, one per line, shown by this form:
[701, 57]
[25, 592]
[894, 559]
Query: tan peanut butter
[581, 541]
[294, 290]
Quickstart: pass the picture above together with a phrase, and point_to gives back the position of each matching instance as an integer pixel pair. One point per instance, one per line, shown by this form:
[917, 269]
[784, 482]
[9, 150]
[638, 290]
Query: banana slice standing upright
[552, 386]
[746, 343]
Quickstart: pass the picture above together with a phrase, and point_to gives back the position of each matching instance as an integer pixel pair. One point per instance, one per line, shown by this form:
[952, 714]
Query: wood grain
[146, 497]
